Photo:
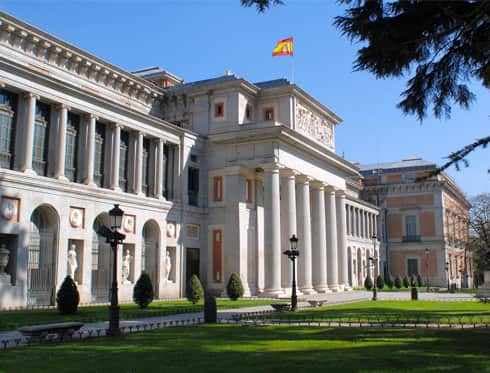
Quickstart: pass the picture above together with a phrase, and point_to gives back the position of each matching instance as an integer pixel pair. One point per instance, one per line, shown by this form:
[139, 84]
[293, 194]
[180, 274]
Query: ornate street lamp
[292, 254]
[447, 274]
[114, 238]
[372, 262]
[427, 251]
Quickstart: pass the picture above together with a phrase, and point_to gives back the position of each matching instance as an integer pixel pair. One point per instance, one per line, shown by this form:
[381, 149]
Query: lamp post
[114, 238]
[447, 274]
[292, 254]
[372, 262]
[427, 251]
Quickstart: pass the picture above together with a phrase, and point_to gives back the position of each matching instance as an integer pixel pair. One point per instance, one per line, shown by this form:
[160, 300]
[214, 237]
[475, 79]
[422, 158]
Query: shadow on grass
[225, 348]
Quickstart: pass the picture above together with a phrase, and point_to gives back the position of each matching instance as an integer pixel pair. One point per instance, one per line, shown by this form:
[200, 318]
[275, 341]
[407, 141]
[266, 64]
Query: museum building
[214, 177]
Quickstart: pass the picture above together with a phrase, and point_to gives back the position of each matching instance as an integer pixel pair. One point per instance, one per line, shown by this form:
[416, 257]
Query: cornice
[54, 52]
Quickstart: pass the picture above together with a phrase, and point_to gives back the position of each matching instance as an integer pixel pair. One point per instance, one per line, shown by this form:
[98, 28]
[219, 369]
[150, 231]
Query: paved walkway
[10, 337]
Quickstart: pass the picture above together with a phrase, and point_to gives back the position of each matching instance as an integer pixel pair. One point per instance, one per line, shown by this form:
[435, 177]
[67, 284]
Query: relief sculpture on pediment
[312, 125]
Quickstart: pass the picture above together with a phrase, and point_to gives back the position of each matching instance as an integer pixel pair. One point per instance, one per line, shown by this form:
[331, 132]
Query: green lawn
[14, 319]
[465, 311]
[231, 348]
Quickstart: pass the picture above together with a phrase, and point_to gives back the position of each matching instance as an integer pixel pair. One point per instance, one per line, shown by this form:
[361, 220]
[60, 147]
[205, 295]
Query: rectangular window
[249, 190]
[123, 161]
[219, 110]
[218, 188]
[7, 128]
[193, 186]
[248, 112]
[41, 136]
[217, 253]
[72, 131]
[412, 267]
[99, 154]
[411, 226]
[146, 167]
[269, 114]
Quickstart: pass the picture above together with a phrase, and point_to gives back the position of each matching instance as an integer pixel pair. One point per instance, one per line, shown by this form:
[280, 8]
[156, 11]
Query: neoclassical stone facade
[214, 177]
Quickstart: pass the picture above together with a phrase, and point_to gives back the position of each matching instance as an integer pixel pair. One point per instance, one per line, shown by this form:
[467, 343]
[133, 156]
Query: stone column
[342, 240]
[90, 153]
[289, 196]
[30, 118]
[160, 168]
[347, 219]
[116, 154]
[304, 236]
[332, 247]
[319, 239]
[61, 147]
[272, 222]
[138, 185]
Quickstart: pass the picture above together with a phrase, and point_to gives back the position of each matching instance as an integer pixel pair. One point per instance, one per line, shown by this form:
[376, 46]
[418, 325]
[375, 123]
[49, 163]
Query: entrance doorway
[191, 263]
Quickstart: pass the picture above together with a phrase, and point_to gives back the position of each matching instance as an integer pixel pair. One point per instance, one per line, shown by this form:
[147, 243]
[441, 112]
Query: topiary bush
[420, 283]
[143, 291]
[68, 298]
[380, 283]
[368, 283]
[398, 282]
[389, 282]
[234, 288]
[195, 292]
[210, 309]
[406, 283]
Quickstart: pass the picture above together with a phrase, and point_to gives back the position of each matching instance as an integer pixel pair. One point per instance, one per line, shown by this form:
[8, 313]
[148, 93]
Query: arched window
[99, 154]
[41, 136]
[72, 131]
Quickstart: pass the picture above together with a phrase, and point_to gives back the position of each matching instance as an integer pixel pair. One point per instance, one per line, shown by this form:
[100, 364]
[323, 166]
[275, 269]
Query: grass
[231, 348]
[465, 312]
[13, 319]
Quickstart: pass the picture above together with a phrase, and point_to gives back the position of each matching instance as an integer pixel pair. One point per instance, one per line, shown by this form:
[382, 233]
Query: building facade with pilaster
[214, 177]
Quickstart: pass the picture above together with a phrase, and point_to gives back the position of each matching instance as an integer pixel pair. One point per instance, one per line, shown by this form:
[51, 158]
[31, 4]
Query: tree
[234, 288]
[479, 224]
[438, 45]
[380, 283]
[68, 298]
[406, 283]
[368, 283]
[143, 291]
[398, 282]
[195, 292]
[389, 282]
[420, 283]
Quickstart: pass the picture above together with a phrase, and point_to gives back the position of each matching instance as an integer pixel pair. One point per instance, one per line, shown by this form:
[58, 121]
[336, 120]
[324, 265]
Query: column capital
[61, 106]
[117, 125]
[287, 172]
[303, 179]
[271, 167]
[317, 184]
[31, 95]
[91, 116]
[341, 193]
[330, 189]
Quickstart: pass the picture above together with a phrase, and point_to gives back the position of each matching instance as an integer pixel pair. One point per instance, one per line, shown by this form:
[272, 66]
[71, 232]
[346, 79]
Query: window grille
[99, 154]
[71, 153]
[41, 135]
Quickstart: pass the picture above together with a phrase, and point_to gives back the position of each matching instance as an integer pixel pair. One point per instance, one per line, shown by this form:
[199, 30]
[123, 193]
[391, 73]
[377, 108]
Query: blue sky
[202, 39]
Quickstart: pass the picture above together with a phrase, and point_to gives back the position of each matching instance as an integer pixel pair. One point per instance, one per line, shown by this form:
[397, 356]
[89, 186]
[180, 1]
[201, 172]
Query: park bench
[483, 294]
[41, 332]
[316, 303]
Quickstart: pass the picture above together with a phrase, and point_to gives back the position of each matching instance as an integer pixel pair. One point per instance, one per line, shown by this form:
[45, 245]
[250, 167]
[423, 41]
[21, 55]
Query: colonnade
[316, 215]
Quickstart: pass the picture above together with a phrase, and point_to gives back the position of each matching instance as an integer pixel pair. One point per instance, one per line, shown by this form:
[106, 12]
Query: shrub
[143, 291]
[195, 292]
[389, 282]
[68, 298]
[413, 281]
[398, 282]
[420, 283]
[414, 293]
[380, 283]
[234, 288]
[210, 309]
[406, 283]
[368, 283]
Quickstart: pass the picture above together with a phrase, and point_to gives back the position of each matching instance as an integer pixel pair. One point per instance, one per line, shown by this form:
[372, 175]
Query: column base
[141, 194]
[322, 289]
[272, 293]
[30, 172]
[62, 178]
[117, 189]
[335, 288]
[308, 291]
[90, 183]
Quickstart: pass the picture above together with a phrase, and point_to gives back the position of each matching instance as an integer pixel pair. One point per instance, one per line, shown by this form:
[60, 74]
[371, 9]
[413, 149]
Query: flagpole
[292, 69]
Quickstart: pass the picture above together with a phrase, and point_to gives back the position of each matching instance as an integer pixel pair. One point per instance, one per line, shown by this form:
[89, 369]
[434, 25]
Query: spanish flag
[283, 47]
